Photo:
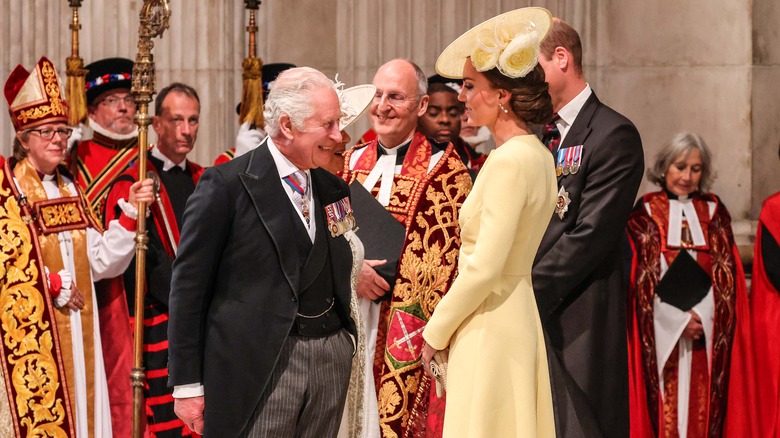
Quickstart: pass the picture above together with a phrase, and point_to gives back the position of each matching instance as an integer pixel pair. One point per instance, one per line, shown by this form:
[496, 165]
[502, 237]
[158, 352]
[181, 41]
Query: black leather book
[685, 284]
[382, 235]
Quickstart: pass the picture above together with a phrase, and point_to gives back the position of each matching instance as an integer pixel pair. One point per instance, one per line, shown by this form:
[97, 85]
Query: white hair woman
[690, 357]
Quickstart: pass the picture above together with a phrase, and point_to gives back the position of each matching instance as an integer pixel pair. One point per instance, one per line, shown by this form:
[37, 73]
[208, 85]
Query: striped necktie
[299, 183]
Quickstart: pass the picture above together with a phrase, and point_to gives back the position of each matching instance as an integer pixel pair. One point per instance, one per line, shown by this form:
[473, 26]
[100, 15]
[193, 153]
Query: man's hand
[76, 301]
[370, 284]
[694, 330]
[142, 191]
[190, 411]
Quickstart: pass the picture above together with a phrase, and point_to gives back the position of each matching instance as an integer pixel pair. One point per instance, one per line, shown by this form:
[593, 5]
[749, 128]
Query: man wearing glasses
[421, 184]
[96, 163]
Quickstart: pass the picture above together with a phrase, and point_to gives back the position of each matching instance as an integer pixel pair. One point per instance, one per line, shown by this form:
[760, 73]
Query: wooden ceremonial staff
[154, 20]
[252, 95]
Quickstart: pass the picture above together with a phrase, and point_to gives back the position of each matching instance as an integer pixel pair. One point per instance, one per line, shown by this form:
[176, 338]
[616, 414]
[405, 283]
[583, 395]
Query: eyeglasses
[394, 99]
[113, 101]
[48, 133]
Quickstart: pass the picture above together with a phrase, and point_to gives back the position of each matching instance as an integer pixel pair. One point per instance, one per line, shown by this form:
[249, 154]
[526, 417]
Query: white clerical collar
[394, 151]
[570, 111]
[168, 164]
[679, 208]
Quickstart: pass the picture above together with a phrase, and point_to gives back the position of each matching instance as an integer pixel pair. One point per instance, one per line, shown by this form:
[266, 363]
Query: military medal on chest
[562, 204]
[340, 217]
[567, 161]
[576, 158]
[559, 162]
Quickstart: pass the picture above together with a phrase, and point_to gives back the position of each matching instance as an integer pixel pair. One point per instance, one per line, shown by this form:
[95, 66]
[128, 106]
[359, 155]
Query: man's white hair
[291, 95]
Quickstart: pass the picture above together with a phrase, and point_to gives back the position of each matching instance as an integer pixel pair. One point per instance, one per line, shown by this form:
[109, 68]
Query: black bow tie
[175, 170]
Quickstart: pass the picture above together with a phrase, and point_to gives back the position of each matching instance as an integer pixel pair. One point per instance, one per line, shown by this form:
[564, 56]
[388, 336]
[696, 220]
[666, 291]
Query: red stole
[732, 384]
[765, 315]
[428, 204]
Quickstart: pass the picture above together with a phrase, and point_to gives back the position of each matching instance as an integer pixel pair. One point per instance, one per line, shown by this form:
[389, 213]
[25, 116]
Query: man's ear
[563, 57]
[286, 126]
[156, 124]
[423, 105]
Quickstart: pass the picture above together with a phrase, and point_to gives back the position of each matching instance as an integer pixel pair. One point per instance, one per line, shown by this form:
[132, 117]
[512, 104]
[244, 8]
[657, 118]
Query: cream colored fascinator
[509, 41]
[354, 101]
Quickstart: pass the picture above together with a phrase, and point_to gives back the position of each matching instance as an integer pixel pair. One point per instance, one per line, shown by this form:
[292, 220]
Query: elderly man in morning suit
[259, 331]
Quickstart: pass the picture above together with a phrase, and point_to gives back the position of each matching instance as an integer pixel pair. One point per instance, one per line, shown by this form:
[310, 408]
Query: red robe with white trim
[731, 406]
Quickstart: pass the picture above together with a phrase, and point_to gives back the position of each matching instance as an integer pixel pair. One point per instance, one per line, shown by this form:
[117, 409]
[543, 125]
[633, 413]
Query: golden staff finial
[252, 95]
[75, 92]
[154, 20]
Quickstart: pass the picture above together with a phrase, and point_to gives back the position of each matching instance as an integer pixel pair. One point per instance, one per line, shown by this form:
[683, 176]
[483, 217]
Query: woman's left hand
[427, 355]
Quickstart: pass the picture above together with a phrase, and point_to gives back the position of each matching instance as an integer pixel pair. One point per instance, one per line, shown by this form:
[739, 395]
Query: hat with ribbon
[106, 75]
[509, 41]
[35, 97]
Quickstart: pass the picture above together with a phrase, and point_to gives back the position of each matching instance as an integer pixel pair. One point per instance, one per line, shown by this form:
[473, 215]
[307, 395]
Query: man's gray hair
[422, 80]
[682, 144]
[291, 95]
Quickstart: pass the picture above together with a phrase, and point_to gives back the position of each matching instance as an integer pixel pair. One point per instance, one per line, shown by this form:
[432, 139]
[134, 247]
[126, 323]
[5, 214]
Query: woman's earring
[501, 105]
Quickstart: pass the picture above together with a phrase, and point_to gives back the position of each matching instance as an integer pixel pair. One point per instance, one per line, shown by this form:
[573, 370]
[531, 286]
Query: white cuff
[189, 390]
[128, 209]
[65, 292]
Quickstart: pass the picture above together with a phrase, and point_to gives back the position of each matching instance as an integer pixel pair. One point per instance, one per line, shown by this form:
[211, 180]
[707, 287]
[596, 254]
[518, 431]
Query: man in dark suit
[176, 123]
[259, 330]
[577, 274]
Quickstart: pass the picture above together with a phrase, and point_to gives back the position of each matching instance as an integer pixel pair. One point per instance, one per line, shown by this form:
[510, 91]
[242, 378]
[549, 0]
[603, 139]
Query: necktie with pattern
[551, 136]
[299, 182]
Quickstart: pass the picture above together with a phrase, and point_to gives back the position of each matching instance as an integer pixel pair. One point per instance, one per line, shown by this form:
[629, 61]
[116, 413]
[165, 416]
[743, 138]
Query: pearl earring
[501, 105]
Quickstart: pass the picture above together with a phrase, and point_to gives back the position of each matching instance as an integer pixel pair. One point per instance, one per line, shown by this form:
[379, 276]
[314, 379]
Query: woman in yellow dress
[498, 383]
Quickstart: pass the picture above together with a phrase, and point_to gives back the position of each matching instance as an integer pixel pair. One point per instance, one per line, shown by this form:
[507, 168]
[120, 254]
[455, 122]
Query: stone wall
[703, 66]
